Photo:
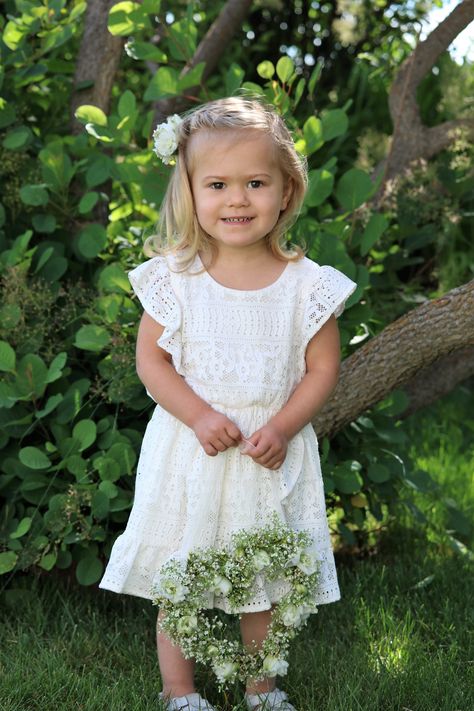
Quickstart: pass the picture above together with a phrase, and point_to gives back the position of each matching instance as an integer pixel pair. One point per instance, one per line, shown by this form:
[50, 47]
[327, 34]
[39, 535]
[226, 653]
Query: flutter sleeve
[327, 295]
[151, 282]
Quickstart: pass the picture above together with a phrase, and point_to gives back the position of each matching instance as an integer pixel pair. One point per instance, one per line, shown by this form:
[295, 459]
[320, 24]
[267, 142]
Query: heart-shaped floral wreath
[181, 587]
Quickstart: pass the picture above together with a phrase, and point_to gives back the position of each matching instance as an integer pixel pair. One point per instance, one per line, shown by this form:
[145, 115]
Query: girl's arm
[323, 358]
[322, 373]
[215, 431]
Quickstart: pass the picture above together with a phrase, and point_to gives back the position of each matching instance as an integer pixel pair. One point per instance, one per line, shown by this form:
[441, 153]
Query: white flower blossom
[225, 670]
[221, 585]
[172, 590]
[273, 666]
[165, 137]
[306, 561]
[260, 560]
[187, 624]
[291, 616]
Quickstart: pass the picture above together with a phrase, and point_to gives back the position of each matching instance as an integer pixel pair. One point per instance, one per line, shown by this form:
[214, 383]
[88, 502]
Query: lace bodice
[240, 348]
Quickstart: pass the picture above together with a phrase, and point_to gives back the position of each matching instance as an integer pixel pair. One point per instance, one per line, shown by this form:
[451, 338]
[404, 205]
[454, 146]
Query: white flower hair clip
[165, 138]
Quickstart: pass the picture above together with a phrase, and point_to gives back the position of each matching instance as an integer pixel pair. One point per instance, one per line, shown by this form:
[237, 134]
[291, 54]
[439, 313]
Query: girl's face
[238, 187]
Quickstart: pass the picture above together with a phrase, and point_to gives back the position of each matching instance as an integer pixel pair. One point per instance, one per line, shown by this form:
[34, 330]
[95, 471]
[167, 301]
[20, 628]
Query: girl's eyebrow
[224, 177]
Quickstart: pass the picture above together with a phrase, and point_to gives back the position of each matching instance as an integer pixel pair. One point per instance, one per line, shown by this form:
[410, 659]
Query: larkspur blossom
[226, 670]
[260, 560]
[221, 585]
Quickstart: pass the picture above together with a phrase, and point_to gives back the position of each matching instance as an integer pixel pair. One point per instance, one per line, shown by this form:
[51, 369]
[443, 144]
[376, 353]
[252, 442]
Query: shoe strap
[189, 702]
[270, 698]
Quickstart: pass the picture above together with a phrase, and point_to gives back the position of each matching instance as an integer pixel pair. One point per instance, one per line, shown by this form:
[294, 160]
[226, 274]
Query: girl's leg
[254, 626]
[177, 672]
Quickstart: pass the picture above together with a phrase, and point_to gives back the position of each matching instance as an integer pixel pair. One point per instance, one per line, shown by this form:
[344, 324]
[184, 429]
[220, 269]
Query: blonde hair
[178, 227]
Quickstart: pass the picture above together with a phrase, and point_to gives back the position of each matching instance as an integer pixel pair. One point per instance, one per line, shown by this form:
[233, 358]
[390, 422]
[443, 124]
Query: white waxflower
[221, 585]
[187, 624]
[273, 666]
[291, 616]
[165, 137]
[260, 560]
[225, 670]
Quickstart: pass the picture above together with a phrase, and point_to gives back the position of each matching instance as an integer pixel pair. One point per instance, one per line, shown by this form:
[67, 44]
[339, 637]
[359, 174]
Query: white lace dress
[244, 353]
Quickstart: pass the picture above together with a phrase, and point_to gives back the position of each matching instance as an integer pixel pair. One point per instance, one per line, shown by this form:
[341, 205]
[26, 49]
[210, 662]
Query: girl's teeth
[237, 219]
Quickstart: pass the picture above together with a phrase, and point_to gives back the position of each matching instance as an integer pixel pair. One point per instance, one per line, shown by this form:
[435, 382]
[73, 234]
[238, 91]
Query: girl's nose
[237, 197]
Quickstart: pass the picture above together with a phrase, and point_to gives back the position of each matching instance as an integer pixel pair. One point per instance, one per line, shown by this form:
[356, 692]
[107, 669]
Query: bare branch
[210, 50]
[395, 355]
[411, 139]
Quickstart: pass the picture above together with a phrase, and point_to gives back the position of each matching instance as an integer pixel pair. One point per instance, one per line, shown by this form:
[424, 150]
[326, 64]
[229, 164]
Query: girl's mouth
[237, 220]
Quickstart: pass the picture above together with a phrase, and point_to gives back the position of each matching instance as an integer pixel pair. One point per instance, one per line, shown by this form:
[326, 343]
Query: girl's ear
[287, 193]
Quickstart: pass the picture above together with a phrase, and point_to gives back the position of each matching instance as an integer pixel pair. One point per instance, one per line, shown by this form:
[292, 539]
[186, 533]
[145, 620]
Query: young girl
[238, 345]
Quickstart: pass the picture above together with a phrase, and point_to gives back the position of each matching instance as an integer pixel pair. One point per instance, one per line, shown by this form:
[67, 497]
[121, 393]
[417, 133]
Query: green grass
[390, 643]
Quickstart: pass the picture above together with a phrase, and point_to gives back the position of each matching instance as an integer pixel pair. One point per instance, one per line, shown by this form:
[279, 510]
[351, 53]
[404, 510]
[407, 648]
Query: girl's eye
[255, 183]
[217, 186]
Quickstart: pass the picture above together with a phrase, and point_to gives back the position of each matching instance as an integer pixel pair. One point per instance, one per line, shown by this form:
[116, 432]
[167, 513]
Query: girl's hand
[216, 432]
[270, 446]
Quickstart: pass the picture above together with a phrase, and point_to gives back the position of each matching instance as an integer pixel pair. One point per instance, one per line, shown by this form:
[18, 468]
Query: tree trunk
[97, 61]
[394, 356]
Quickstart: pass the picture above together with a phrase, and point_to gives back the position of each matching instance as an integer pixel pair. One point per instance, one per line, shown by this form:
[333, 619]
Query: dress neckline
[242, 291]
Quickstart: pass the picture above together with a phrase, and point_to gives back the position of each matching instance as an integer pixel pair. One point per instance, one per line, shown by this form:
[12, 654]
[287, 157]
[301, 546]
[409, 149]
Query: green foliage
[73, 212]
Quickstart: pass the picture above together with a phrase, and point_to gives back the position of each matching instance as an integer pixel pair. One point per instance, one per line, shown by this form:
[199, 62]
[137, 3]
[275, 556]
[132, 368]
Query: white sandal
[189, 702]
[276, 700]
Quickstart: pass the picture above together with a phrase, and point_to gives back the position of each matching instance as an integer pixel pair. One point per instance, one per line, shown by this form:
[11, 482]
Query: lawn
[400, 639]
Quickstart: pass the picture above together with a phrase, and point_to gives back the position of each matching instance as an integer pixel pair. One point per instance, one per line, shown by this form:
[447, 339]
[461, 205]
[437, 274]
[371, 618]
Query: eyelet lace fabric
[244, 353]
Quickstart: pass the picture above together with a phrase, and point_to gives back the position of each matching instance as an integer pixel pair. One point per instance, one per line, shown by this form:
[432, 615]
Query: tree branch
[412, 140]
[395, 355]
[211, 48]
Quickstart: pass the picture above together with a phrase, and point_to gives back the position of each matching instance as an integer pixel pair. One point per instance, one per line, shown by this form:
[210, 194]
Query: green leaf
[378, 473]
[285, 69]
[7, 357]
[233, 78]
[192, 78]
[375, 227]
[54, 269]
[335, 123]
[17, 138]
[353, 189]
[14, 34]
[313, 134]
[127, 104]
[99, 171]
[87, 202]
[57, 169]
[7, 113]
[100, 504]
[145, 50]
[92, 338]
[347, 479]
[32, 375]
[51, 405]
[88, 113]
[85, 431]
[163, 83]
[109, 489]
[55, 369]
[44, 223]
[89, 570]
[299, 92]
[266, 69]
[22, 528]
[33, 458]
[48, 560]
[100, 132]
[182, 39]
[34, 195]
[108, 468]
[8, 561]
[321, 183]
[91, 240]
[114, 279]
[125, 18]
[314, 78]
